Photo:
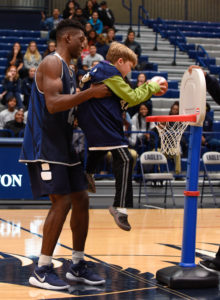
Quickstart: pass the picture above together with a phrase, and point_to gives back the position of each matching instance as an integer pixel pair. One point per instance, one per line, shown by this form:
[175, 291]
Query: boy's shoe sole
[45, 285]
[120, 219]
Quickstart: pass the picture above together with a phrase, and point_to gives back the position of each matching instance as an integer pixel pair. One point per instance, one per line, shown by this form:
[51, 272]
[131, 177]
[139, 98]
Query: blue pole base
[187, 265]
[177, 277]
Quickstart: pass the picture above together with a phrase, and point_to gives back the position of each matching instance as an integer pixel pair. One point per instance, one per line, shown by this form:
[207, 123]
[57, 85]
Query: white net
[170, 134]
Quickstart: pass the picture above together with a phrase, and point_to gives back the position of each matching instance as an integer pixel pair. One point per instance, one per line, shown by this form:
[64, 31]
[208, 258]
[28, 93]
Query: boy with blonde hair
[101, 121]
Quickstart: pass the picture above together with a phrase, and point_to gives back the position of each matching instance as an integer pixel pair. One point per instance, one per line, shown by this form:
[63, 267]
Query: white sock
[122, 210]
[77, 256]
[44, 260]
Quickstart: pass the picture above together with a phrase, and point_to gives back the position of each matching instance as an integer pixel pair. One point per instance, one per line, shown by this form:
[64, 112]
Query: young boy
[101, 121]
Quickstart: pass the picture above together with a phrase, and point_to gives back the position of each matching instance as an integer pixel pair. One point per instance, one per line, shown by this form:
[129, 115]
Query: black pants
[122, 168]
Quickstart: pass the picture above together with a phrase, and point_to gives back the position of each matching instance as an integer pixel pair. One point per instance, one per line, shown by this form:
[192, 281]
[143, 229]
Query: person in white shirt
[93, 56]
[8, 113]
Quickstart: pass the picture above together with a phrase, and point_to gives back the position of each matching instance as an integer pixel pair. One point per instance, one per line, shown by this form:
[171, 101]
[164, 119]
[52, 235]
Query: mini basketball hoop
[170, 129]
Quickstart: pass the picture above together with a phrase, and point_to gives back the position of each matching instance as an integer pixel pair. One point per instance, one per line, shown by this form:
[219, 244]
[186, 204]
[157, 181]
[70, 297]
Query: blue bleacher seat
[149, 74]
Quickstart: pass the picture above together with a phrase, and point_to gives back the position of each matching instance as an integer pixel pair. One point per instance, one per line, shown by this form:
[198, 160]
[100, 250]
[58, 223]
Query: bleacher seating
[177, 32]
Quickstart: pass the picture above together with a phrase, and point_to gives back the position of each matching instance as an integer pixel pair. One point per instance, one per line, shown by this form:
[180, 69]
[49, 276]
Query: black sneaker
[120, 219]
[82, 272]
[45, 277]
[91, 183]
[209, 266]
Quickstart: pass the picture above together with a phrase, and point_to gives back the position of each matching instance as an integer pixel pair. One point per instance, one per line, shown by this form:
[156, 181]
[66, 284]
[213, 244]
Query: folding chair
[159, 161]
[211, 163]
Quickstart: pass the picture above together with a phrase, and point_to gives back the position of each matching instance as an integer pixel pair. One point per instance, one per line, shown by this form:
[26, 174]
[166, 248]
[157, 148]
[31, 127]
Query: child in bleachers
[11, 86]
[8, 113]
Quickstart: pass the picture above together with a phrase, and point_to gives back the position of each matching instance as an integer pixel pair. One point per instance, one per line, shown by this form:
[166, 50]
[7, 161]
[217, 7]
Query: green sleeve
[133, 96]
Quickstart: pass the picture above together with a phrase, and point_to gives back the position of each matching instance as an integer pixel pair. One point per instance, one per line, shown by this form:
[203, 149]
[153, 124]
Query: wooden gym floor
[127, 260]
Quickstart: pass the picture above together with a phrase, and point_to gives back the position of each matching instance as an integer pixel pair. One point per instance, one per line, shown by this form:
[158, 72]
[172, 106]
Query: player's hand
[195, 67]
[100, 91]
[162, 83]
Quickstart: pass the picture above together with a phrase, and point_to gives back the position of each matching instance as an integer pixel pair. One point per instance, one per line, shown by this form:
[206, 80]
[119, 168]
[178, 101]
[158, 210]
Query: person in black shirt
[17, 125]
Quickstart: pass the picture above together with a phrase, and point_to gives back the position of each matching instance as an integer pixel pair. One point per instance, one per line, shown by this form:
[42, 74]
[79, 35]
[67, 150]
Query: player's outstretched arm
[49, 82]
[212, 84]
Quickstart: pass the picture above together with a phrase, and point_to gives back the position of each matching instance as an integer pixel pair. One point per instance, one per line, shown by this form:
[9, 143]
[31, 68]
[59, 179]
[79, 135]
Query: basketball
[161, 81]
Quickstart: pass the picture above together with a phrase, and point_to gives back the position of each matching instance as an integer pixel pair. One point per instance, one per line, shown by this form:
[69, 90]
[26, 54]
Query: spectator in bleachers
[8, 113]
[96, 22]
[32, 57]
[11, 86]
[88, 9]
[95, 5]
[15, 58]
[132, 44]
[51, 47]
[70, 9]
[16, 125]
[85, 50]
[208, 140]
[106, 16]
[110, 36]
[26, 86]
[92, 37]
[50, 24]
[140, 141]
[80, 17]
[101, 45]
[88, 28]
[78, 140]
[93, 56]
[141, 79]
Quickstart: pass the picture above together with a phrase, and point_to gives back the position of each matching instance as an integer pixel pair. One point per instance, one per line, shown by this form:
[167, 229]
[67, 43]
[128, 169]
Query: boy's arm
[133, 96]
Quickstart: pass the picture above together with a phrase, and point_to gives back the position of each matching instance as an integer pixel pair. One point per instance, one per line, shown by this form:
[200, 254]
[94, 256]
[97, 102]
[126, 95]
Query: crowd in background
[99, 23]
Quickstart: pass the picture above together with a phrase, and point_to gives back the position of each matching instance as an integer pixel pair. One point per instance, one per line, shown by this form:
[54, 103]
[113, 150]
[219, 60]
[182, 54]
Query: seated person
[26, 86]
[101, 46]
[11, 86]
[70, 7]
[132, 44]
[110, 37]
[93, 56]
[17, 125]
[15, 58]
[50, 24]
[8, 113]
[50, 48]
[141, 79]
[140, 141]
[96, 23]
[32, 57]
[79, 16]
[106, 16]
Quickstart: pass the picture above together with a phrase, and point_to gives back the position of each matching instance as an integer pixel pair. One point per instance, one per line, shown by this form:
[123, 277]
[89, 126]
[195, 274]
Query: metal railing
[130, 9]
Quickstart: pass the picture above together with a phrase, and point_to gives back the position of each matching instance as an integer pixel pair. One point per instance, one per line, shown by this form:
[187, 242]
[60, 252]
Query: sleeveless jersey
[101, 119]
[48, 137]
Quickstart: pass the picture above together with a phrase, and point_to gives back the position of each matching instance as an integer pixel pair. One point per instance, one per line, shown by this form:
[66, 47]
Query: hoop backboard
[193, 95]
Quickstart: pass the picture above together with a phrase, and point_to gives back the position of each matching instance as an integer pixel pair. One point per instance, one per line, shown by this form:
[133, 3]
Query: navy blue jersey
[101, 119]
[48, 137]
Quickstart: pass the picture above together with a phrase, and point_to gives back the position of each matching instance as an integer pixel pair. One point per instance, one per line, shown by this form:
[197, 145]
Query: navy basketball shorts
[49, 178]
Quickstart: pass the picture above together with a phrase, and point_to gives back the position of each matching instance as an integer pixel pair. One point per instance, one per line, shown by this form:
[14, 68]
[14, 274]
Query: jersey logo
[124, 105]
[85, 79]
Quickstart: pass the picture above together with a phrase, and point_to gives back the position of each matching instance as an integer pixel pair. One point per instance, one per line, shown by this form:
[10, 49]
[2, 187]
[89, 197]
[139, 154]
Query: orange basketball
[162, 81]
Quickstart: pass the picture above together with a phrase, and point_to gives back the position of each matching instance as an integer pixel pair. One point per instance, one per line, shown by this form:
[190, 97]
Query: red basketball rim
[172, 118]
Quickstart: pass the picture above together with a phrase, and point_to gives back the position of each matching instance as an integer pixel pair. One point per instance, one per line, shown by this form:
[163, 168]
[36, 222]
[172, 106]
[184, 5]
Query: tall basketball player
[53, 166]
